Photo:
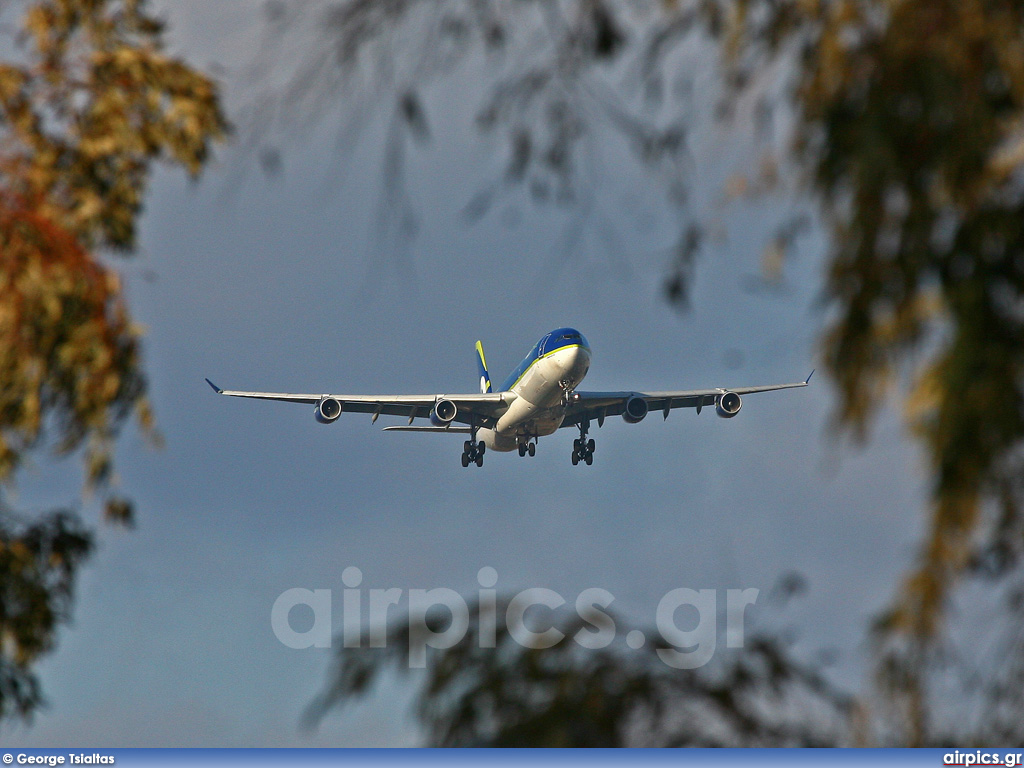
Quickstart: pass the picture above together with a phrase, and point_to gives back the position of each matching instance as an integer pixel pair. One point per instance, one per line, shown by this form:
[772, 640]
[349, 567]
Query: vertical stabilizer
[485, 379]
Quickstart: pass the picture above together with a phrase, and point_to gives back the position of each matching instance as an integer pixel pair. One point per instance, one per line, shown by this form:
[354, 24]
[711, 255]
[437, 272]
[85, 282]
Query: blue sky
[276, 284]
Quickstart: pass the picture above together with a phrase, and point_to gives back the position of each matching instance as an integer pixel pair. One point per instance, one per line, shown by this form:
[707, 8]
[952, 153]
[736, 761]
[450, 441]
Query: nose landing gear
[568, 396]
[528, 447]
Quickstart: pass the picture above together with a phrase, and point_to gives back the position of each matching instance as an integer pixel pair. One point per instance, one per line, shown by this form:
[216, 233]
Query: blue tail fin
[485, 379]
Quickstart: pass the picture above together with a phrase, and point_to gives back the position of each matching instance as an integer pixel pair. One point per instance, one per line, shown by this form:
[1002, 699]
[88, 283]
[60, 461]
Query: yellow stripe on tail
[485, 379]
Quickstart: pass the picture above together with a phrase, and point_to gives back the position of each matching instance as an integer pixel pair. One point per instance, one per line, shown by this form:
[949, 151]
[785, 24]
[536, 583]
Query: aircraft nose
[578, 360]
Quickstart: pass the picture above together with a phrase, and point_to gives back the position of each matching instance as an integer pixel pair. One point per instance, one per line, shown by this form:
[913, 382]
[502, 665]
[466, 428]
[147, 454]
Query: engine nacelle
[635, 410]
[443, 413]
[328, 410]
[728, 405]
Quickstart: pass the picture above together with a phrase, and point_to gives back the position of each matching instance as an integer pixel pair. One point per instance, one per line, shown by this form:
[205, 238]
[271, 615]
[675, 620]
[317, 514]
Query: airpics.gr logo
[686, 648]
[980, 757]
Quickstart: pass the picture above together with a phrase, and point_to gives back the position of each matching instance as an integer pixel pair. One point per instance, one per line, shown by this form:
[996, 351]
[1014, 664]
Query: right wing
[599, 405]
[483, 410]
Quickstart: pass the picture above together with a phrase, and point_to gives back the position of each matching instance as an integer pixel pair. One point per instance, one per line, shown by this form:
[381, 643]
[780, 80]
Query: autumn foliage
[88, 102]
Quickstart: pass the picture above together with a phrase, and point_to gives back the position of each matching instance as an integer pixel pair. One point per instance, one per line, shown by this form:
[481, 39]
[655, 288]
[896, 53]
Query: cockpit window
[569, 335]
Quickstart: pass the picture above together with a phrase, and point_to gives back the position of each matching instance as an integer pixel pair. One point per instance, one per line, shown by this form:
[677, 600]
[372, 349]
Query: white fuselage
[539, 404]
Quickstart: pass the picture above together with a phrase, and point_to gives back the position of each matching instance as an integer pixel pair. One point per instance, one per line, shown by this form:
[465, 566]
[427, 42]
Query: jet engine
[328, 410]
[635, 410]
[728, 405]
[443, 413]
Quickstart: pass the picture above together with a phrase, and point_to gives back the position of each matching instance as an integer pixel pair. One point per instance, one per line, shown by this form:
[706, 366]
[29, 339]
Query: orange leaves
[83, 114]
[68, 355]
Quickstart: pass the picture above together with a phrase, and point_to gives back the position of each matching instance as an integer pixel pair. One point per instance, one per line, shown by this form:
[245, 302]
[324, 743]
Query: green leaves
[909, 120]
[504, 694]
[38, 563]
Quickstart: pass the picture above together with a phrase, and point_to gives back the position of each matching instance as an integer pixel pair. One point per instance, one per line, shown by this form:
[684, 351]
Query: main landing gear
[473, 451]
[582, 448]
[528, 448]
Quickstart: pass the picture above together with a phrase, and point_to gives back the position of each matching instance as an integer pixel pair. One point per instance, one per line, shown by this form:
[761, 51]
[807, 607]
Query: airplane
[537, 399]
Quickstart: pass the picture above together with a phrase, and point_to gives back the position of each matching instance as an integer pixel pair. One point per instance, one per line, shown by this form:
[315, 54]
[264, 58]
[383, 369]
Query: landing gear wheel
[465, 459]
[531, 449]
[522, 449]
[582, 448]
[480, 459]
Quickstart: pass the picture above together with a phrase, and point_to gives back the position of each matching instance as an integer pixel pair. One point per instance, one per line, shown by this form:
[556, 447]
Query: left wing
[598, 405]
[482, 409]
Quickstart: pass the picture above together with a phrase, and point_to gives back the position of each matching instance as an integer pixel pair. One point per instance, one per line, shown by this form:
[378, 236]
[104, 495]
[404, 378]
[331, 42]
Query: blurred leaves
[553, 74]
[38, 564]
[88, 101]
[910, 120]
[68, 354]
[510, 695]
